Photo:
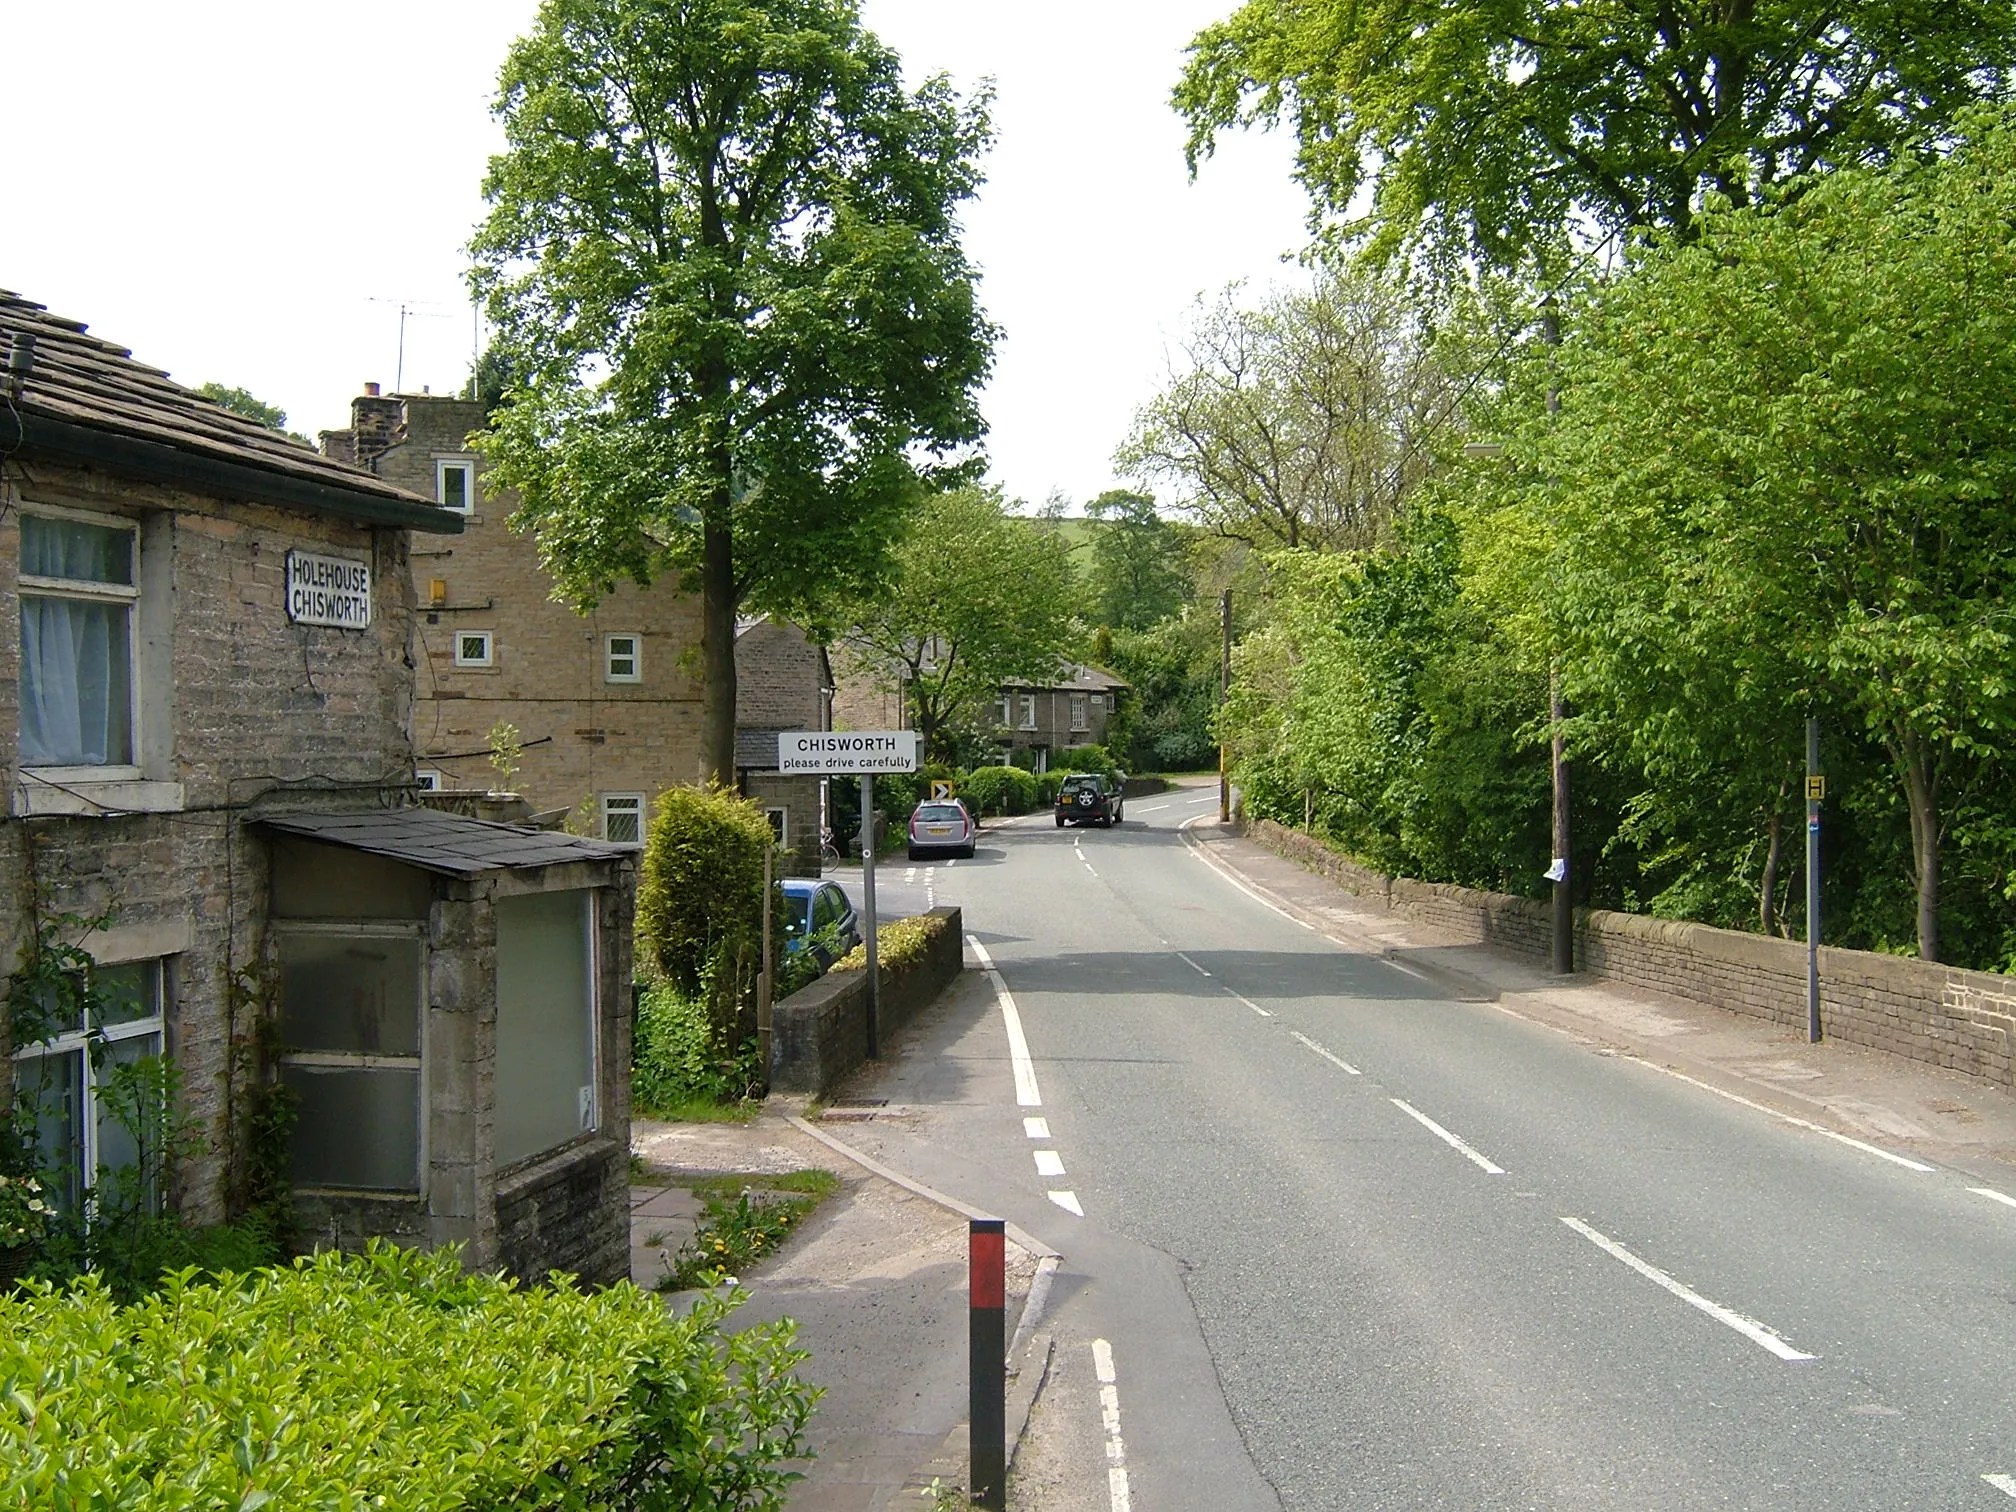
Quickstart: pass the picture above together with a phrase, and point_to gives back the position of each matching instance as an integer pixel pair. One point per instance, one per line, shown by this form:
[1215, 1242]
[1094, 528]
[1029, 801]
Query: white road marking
[1088, 866]
[1109, 1417]
[1197, 850]
[1446, 1137]
[1067, 1201]
[2006, 1484]
[1752, 1330]
[1150, 808]
[1797, 1123]
[1049, 1163]
[1340, 1065]
[952, 863]
[1191, 964]
[1994, 1196]
[1018, 1047]
[1036, 1128]
[1403, 966]
[910, 875]
[1264, 1013]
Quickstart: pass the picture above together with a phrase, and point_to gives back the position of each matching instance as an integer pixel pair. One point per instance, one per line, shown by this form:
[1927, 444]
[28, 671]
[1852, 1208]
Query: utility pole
[1816, 790]
[1563, 952]
[1224, 692]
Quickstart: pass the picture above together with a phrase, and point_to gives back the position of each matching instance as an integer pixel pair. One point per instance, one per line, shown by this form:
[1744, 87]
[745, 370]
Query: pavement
[876, 1279]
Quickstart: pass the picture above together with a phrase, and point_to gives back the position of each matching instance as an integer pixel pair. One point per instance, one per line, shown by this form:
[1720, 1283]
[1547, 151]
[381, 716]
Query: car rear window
[1081, 782]
[940, 813]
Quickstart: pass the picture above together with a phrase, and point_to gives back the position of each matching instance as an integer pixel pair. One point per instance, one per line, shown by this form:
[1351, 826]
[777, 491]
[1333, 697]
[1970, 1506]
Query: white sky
[246, 191]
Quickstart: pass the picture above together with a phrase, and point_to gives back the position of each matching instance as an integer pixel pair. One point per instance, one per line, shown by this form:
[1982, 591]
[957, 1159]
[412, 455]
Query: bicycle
[829, 853]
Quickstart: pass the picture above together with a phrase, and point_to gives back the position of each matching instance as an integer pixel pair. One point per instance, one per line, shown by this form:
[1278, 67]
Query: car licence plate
[937, 829]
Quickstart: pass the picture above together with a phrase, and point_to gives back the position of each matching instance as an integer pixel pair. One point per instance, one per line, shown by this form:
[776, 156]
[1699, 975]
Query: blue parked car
[818, 918]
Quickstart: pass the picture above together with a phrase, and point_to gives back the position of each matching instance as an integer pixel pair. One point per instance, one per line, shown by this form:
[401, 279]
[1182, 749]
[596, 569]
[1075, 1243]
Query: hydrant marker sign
[847, 752]
[327, 590]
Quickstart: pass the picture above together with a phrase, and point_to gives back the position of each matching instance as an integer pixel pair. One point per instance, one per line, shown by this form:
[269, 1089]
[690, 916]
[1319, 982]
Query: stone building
[1074, 708]
[607, 703]
[206, 700]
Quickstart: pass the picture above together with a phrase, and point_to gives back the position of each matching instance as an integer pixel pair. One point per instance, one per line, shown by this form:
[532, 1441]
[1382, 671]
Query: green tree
[239, 402]
[1484, 129]
[1296, 422]
[1139, 572]
[723, 264]
[1783, 472]
[978, 596]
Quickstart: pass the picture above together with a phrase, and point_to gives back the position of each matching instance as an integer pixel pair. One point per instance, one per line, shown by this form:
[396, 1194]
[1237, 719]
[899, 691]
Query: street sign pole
[868, 913]
[1816, 790]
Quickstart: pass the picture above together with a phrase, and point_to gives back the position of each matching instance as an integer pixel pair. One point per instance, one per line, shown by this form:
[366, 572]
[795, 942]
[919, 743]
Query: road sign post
[855, 753]
[1816, 790]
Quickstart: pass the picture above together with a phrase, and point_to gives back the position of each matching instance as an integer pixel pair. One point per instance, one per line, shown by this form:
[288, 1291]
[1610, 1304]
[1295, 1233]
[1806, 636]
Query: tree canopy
[1296, 421]
[978, 597]
[244, 404]
[1483, 128]
[1138, 571]
[722, 261]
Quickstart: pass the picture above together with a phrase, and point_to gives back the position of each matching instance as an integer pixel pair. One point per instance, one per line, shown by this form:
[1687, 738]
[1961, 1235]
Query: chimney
[379, 423]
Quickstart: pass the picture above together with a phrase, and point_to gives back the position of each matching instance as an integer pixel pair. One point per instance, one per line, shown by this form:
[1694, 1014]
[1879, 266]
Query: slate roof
[447, 843]
[80, 380]
[1076, 677]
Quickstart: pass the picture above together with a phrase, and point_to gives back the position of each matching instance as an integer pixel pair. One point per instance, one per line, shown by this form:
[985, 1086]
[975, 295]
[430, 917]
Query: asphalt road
[1335, 1239]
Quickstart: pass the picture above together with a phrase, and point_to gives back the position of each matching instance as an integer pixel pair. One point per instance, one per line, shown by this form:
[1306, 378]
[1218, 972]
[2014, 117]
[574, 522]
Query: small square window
[455, 485]
[475, 648]
[427, 780]
[623, 658]
[623, 818]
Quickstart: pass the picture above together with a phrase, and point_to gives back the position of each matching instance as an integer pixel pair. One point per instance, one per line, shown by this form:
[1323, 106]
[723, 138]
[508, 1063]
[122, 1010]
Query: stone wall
[1937, 1015]
[555, 1215]
[820, 1032]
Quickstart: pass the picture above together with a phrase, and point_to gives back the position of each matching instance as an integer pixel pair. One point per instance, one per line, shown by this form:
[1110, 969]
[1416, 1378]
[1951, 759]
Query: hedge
[390, 1381]
[898, 943]
[999, 790]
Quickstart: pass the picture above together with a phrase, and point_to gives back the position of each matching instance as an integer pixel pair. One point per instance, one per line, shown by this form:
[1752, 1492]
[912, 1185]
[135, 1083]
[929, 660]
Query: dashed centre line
[1191, 964]
[1036, 1128]
[1049, 1163]
[1750, 1328]
[2006, 1484]
[1447, 1138]
[1341, 1065]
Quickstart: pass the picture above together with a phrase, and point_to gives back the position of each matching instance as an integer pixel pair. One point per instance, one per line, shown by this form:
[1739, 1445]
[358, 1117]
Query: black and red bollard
[987, 1310]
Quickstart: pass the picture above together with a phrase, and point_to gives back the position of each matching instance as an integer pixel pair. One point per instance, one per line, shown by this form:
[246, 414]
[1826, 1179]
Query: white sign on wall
[847, 752]
[327, 590]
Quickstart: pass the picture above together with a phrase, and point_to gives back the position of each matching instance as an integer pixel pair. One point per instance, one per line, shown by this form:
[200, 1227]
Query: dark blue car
[818, 918]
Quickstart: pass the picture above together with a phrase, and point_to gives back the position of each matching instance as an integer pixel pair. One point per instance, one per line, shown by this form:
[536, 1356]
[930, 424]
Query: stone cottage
[205, 741]
[1075, 707]
[607, 703]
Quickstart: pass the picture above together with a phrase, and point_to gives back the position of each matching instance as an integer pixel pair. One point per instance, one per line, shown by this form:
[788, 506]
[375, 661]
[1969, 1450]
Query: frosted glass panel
[356, 1127]
[545, 1022]
[350, 994]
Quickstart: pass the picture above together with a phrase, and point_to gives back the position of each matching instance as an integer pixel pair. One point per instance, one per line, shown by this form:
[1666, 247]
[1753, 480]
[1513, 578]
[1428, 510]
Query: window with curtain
[65, 1083]
[77, 592]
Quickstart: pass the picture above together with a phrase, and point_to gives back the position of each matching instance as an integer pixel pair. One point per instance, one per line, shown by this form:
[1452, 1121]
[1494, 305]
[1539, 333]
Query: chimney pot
[370, 391]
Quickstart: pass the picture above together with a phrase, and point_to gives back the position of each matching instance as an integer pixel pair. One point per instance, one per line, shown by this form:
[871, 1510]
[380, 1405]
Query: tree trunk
[1921, 796]
[717, 646]
[1767, 891]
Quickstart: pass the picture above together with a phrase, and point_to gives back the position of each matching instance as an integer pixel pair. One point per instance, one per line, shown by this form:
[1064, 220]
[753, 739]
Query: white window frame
[489, 657]
[623, 803]
[1081, 714]
[1028, 721]
[343, 1060]
[429, 779]
[467, 467]
[1005, 708]
[781, 823]
[79, 1042]
[635, 656]
[30, 586]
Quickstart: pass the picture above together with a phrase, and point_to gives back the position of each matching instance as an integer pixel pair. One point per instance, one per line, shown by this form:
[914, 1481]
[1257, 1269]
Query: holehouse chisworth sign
[847, 752]
[327, 590]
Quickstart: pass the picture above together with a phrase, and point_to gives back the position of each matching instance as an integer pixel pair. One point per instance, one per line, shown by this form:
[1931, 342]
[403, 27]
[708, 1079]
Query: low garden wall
[820, 1032]
[1938, 1015]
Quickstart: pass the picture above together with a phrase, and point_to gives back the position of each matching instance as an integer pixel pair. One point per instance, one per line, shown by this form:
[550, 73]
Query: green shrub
[1085, 758]
[392, 1381]
[675, 1061]
[999, 790]
[898, 943]
[1047, 787]
[700, 885]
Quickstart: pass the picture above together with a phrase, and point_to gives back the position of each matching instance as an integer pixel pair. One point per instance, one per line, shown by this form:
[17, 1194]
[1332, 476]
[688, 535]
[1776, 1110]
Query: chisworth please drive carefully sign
[847, 752]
